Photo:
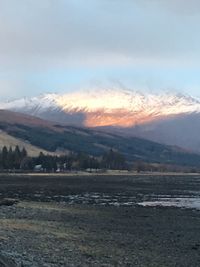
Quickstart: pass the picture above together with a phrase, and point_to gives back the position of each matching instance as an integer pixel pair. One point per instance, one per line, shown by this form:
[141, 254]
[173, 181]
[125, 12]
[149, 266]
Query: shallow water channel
[192, 202]
[122, 199]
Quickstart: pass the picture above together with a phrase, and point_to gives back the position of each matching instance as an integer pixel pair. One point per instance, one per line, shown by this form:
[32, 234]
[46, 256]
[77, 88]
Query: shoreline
[89, 174]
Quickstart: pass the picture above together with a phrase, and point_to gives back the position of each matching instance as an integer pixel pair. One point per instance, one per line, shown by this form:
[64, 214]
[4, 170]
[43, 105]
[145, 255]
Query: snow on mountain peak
[131, 101]
[114, 106]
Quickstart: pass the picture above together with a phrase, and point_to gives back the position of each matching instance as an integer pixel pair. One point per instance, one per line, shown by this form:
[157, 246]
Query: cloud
[39, 33]
[179, 7]
[38, 36]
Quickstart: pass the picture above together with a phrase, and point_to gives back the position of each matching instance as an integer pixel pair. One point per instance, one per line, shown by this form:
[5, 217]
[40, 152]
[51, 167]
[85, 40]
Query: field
[96, 221]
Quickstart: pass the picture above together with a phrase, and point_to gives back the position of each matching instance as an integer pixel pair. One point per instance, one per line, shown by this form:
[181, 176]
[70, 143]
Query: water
[192, 202]
[189, 199]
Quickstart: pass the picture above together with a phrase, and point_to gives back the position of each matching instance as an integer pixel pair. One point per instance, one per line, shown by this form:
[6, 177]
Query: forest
[18, 159]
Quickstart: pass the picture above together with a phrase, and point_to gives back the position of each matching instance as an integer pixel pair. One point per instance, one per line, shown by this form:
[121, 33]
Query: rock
[196, 246]
[8, 202]
[5, 262]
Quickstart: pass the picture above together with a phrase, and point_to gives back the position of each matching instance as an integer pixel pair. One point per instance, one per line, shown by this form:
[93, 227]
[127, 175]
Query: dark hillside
[96, 143]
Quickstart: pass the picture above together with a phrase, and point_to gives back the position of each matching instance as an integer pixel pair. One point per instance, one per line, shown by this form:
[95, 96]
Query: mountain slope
[59, 138]
[182, 130]
[10, 141]
[172, 119]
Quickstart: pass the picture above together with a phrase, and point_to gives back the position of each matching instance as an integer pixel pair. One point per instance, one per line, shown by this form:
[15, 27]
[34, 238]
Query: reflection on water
[189, 200]
[181, 202]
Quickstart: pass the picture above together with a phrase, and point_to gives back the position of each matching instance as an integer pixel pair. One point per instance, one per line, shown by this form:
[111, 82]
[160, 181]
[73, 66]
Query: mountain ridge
[111, 102]
[169, 118]
[58, 139]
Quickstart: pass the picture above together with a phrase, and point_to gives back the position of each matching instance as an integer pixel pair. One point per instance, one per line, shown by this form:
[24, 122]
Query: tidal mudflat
[100, 220]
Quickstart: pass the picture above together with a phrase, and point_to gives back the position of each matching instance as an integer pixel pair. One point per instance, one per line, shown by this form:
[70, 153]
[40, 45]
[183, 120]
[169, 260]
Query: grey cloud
[50, 32]
[179, 7]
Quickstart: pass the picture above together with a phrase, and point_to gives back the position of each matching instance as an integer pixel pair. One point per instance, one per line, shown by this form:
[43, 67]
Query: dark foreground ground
[95, 221]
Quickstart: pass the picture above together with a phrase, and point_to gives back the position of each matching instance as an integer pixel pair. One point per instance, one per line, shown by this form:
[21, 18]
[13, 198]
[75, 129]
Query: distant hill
[57, 138]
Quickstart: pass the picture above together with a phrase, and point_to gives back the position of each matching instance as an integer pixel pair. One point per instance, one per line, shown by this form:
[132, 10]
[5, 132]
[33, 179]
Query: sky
[64, 45]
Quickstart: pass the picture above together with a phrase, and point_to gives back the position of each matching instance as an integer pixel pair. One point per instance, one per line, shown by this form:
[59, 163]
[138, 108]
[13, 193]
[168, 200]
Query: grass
[40, 227]
[8, 140]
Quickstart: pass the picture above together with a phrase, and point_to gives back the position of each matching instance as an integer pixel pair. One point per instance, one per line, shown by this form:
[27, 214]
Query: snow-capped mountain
[123, 108]
[167, 118]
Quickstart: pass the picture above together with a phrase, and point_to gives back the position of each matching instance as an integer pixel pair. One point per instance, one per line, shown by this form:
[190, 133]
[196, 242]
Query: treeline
[18, 159]
[141, 166]
[12, 158]
[80, 161]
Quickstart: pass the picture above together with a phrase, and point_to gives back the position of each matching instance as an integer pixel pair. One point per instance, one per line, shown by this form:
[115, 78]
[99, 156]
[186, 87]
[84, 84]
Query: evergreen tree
[17, 157]
[10, 158]
[27, 163]
[5, 157]
[83, 161]
[24, 153]
[113, 160]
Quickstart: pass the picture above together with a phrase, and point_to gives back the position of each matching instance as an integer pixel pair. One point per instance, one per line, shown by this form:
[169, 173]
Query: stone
[5, 262]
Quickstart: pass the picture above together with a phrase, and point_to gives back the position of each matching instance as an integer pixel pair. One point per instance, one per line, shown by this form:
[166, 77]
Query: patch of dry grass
[40, 227]
[8, 140]
[67, 209]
